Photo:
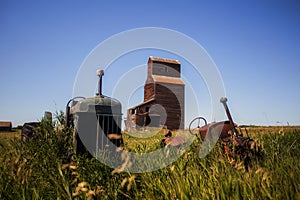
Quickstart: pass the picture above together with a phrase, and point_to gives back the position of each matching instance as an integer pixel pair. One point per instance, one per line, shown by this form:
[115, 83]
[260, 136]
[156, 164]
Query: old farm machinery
[96, 121]
[234, 143]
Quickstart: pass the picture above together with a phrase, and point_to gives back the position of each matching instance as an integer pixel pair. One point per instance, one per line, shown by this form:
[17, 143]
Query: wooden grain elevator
[163, 104]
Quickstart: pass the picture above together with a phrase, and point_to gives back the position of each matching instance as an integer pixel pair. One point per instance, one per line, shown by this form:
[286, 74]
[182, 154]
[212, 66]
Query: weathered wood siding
[149, 91]
[163, 90]
[171, 97]
[165, 69]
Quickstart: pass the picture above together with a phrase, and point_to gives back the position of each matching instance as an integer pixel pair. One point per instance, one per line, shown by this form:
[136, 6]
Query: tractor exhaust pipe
[223, 100]
[100, 73]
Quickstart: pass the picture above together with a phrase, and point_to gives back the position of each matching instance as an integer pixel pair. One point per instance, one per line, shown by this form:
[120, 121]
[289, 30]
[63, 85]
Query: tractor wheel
[196, 124]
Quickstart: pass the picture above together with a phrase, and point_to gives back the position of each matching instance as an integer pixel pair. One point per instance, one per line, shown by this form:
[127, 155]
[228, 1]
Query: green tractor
[96, 122]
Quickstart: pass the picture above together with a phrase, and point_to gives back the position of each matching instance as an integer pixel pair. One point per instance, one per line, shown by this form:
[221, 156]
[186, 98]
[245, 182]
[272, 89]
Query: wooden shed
[5, 126]
[163, 97]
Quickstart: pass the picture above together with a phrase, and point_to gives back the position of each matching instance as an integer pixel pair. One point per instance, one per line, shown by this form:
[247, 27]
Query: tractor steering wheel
[195, 125]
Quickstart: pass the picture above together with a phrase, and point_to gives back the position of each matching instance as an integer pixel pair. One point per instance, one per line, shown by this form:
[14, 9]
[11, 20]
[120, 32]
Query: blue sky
[255, 45]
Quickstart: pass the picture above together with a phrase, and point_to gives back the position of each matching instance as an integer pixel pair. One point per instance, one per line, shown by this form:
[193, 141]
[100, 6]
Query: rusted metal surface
[234, 143]
[224, 128]
[175, 141]
[223, 100]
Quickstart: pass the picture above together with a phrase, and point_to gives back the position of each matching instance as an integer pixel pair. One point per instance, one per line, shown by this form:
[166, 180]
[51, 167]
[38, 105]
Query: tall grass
[44, 169]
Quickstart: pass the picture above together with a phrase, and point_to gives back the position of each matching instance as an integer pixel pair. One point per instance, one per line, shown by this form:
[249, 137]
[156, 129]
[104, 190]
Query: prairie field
[42, 169]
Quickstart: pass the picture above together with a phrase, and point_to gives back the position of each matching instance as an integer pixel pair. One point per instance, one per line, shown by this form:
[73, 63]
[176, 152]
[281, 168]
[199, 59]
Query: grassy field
[6, 137]
[41, 169]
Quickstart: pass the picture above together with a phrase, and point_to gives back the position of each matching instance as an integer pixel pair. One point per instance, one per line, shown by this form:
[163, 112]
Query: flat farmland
[42, 169]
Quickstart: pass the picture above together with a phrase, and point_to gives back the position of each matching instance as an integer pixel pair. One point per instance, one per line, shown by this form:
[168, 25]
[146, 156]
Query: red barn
[163, 97]
[5, 126]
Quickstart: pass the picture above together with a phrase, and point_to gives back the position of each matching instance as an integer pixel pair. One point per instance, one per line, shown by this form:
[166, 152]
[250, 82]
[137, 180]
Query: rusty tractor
[234, 143]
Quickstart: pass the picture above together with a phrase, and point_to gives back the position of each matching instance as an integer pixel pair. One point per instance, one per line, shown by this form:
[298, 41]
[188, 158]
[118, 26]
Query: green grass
[42, 169]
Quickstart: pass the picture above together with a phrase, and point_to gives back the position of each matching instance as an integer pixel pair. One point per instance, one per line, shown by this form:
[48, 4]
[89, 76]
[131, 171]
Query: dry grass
[41, 170]
[5, 137]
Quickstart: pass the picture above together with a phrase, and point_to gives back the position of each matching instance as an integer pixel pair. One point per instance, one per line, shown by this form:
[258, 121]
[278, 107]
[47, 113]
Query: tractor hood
[97, 104]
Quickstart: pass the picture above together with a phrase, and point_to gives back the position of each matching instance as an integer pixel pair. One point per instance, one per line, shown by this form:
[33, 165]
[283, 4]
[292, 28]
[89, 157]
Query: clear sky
[255, 45]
